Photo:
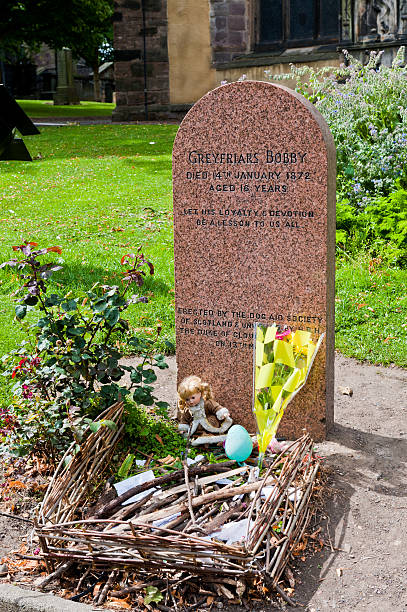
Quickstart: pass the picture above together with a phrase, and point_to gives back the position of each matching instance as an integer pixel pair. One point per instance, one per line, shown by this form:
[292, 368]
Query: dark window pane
[329, 24]
[271, 20]
[302, 19]
[290, 23]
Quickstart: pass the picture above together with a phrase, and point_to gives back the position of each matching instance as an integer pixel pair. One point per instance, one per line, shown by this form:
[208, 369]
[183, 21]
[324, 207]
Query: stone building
[168, 53]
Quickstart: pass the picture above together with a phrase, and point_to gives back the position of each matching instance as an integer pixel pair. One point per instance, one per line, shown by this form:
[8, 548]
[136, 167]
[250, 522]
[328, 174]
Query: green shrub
[366, 110]
[388, 218]
[68, 370]
[151, 432]
[380, 228]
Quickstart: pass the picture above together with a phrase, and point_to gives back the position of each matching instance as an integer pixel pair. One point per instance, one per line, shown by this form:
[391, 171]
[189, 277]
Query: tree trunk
[96, 79]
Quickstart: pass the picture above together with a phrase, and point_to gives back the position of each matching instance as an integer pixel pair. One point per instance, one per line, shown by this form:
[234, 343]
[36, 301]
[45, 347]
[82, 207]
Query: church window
[292, 23]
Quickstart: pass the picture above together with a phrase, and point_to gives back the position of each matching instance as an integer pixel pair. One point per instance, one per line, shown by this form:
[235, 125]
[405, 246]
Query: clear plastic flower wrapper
[282, 362]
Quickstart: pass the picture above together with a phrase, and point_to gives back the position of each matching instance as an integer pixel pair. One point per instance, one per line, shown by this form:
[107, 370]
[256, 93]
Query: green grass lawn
[45, 108]
[371, 311]
[100, 191]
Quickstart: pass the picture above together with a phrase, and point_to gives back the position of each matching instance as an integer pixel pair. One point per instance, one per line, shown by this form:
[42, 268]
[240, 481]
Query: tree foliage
[82, 25]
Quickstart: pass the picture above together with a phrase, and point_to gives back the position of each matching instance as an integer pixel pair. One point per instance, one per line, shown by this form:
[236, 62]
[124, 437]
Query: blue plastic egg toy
[238, 444]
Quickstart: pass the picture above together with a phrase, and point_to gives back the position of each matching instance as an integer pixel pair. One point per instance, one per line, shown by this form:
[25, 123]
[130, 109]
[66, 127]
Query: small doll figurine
[199, 413]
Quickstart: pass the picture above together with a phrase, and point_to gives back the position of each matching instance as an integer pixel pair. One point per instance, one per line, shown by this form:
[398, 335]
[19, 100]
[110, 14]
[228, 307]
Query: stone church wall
[193, 45]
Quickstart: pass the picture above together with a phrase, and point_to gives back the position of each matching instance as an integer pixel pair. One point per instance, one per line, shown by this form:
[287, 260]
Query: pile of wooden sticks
[219, 520]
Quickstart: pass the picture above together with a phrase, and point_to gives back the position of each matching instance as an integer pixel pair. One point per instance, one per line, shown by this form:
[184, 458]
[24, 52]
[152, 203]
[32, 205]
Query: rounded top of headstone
[246, 106]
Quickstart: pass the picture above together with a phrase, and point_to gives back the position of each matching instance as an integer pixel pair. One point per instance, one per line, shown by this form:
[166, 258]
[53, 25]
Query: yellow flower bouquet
[282, 362]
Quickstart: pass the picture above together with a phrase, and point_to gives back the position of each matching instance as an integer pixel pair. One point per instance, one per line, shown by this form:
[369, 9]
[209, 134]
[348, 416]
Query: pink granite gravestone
[254, 226]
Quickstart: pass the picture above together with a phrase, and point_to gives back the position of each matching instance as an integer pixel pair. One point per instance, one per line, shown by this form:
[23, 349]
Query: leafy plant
[153, 594]
[94, 426]
[126, 466]
[68, 368]
[388, 218]
[150, 433]
[7, 422]
[365, 107]
[381, 227]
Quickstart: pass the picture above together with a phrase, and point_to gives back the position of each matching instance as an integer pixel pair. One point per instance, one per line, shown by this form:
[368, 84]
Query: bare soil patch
[365, 516]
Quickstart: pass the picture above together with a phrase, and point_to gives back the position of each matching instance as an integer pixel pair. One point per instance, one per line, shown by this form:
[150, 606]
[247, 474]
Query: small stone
[3, 569]
[345, 391]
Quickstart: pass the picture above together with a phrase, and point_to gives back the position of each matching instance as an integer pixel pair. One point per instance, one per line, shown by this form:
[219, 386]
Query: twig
[178, 582]
[82, 580]
[162, 502]
[191, 512]
[58, 572]
[167, 590]
[196, 469]
[135, 588]
[290, 601]
[29, 557]
[173, 600]
[106, 588]
[179, 520]
[204, 499]
[219, 520]
[203, 481]
[130, 508]
[197, 604]
[267, 551]
[18, 518]
[278, 568]
[203, 515]
[135, 544]
[329, 535]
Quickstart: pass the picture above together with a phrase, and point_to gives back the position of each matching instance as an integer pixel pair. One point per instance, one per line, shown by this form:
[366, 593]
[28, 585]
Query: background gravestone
[66, 91]
[254, 227]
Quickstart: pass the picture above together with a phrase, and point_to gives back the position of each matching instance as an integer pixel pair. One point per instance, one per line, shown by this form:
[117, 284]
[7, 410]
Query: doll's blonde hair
[190, 385]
